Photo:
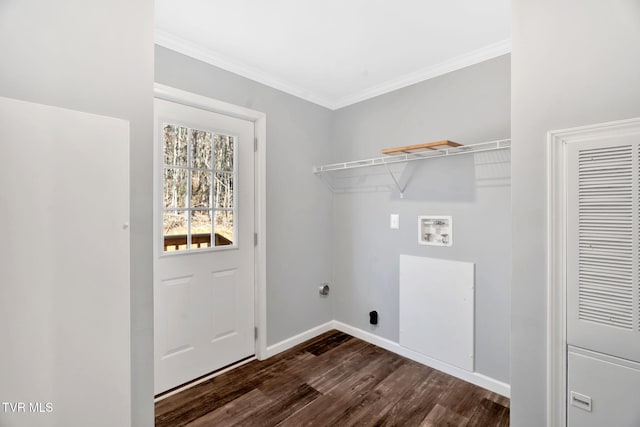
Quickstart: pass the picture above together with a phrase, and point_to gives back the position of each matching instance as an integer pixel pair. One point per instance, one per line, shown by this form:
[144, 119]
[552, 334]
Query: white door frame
[558, 141]
[260, 122]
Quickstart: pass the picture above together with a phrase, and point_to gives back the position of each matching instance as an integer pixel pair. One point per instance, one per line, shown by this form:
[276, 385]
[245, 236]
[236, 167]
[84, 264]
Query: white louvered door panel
[602, 245]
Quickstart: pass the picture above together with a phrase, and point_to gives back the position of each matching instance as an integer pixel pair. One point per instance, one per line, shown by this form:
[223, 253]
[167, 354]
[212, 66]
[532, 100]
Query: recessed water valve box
[435, 230]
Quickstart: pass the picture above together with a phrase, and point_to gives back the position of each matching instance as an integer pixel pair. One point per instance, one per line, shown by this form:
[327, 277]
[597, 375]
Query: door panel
[602, 390]
[204, 298]
[224, 289]
[175, 300]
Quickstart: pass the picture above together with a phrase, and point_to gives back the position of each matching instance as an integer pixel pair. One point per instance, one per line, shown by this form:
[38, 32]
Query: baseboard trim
[392, 346]
[274, 349]
[472, 377]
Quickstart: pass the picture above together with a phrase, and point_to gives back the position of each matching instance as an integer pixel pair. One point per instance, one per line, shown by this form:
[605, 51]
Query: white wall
[53, 270]
[470, 105]
[573, 63]
[96, 56]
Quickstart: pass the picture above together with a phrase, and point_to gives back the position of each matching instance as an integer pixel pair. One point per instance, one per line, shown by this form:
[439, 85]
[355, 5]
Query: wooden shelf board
[421, 147]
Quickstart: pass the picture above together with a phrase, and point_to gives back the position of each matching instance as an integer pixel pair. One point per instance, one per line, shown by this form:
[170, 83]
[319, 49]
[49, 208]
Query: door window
[199, 183]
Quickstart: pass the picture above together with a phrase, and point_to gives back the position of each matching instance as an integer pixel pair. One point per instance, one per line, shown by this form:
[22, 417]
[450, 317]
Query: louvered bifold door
[602, 245]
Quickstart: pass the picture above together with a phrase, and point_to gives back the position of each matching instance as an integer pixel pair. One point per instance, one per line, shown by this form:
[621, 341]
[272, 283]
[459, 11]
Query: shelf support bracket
[395, 181]
[326, 182]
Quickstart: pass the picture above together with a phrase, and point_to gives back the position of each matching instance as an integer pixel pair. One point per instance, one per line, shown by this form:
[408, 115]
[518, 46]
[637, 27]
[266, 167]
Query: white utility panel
[437, 309]
[435, 230]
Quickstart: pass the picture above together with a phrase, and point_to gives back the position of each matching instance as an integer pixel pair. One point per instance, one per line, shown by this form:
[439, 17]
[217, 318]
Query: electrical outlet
[373, 317]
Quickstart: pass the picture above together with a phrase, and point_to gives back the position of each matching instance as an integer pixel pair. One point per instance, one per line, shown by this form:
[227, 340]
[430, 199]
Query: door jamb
[556, 285]
[557, 142]
[259, 120]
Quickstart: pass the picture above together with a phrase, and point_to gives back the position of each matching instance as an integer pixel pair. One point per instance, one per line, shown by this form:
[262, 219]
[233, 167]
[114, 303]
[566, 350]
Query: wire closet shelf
[500, 144]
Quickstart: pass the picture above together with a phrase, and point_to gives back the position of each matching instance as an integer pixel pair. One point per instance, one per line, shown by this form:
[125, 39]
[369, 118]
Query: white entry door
[204, 244]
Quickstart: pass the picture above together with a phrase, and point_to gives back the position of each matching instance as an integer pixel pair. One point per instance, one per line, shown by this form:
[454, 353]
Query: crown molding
[462, 61]
[194, 50]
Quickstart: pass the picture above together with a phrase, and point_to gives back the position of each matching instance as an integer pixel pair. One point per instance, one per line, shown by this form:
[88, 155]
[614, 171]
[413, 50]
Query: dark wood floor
[334, 380]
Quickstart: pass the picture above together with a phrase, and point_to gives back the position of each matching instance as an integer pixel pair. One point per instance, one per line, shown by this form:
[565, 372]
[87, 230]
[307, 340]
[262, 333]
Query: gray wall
[97, 57]
[298, 205]
[573, 63]
[470, 105]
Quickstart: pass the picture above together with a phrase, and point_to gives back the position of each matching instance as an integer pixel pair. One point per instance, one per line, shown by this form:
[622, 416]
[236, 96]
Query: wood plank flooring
[334, 380]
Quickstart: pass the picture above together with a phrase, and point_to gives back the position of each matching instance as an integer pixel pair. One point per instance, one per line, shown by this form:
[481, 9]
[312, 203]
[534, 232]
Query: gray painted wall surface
[298, 205]
[574, 63]
[97, 57]
[468, 106]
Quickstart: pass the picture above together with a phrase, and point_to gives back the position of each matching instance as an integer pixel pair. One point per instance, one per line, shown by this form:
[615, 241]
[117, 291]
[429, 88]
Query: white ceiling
[336, 52]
